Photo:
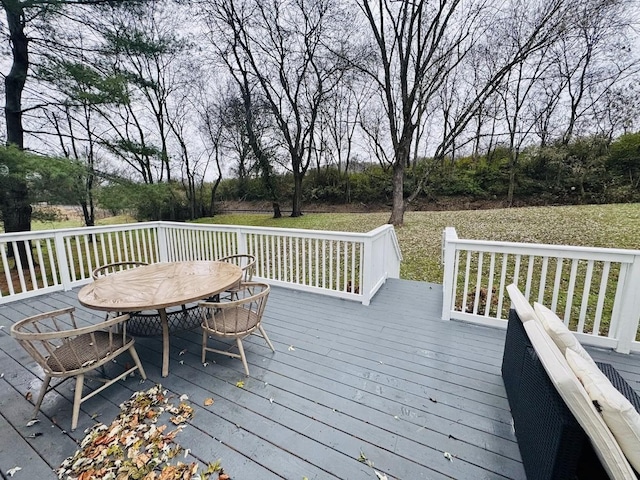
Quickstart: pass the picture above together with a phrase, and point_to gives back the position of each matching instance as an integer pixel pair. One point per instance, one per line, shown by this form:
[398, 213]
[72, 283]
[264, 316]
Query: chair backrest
[62, 348]
[240, 316]
[115, 267]
[245, 261]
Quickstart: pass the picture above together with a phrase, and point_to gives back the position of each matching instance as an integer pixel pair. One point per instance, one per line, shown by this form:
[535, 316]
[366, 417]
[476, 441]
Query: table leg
[165, 341]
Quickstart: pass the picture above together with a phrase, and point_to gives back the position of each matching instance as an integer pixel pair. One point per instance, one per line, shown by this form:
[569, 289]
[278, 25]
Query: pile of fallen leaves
[136, 445]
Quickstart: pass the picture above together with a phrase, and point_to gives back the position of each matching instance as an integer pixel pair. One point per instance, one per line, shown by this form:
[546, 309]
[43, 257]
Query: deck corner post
[163, 243]
[367, 271]
[449, 236]
[629, 310]
[241, 242]
[63, 261]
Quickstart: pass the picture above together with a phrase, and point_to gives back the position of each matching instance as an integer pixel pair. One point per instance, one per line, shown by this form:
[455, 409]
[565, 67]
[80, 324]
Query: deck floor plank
[389, 380]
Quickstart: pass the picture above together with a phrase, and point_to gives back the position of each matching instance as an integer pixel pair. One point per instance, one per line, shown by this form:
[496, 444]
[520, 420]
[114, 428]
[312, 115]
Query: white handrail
[327, 262]
[595, 290]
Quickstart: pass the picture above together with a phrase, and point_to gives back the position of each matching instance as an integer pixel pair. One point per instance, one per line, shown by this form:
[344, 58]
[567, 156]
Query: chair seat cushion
[231, 321]
[84, 351]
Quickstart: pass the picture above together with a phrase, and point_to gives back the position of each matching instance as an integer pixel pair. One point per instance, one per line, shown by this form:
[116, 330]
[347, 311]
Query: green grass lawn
[616, 226]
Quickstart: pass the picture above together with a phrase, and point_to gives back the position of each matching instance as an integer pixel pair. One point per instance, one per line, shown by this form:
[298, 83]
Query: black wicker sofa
[552, 443]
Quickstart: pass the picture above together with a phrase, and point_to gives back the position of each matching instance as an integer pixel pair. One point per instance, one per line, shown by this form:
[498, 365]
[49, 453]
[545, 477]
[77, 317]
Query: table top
[159, 285]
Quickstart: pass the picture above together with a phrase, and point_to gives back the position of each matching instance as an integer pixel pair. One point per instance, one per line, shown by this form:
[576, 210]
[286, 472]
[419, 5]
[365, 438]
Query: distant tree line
[166, 106]
[587, 170]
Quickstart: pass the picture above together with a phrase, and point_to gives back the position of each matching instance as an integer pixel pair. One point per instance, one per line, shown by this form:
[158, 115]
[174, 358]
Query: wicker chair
[115, 267]
[237, 319]
[248, 265]
[64, 350]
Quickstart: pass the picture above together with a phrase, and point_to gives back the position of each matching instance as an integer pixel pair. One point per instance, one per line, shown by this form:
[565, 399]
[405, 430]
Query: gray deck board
[390, 380]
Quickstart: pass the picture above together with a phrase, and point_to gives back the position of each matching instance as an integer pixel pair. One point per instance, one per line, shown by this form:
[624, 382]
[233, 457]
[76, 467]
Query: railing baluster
[476, 300]
[572, 285]
[585, 297]
[41, 264]
[543, 279]
[527, 288]
[465, 291]
[602, 293]
[557, 282]
[489, 296]
[7, 268]
[503, 279]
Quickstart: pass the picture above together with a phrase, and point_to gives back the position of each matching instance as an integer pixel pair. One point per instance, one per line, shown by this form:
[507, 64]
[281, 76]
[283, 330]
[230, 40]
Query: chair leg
[204, 345]
[43, 390]
[242, 356]
[77, 400]
[136, 359]
[264, 335]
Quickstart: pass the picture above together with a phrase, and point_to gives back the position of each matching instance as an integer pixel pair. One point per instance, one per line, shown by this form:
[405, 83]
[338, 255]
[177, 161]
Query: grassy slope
[616, 226]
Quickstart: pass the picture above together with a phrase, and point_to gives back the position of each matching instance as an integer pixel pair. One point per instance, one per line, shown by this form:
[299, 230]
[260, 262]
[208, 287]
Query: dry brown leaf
[168, 473]
[29, 395]
[134, 445]
[208, 402]
[105, 439]
[86, 475]
[142, 459]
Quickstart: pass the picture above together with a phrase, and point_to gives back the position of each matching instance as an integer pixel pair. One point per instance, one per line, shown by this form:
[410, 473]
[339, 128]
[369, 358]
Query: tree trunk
[276, 210]
[88, 213]
[296, 207]
[214, 188]
[16, 209]
[512, 185]
[15, 80]
[397, 211]
[16, 215]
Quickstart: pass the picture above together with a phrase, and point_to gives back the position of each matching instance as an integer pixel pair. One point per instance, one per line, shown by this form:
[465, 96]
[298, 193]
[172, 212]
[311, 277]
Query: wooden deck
[390, 381]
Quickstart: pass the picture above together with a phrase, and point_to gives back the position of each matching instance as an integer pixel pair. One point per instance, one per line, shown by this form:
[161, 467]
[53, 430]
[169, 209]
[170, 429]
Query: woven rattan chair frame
[115, 267]
[248, 265]
[237, 318]
[64, 350]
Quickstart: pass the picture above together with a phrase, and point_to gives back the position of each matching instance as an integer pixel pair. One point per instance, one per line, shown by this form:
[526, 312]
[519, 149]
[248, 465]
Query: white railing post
[63, 261]
[367, 271]
[392, 253]
[629, 310]
[241, 242]
[163, 244]
[448, 281]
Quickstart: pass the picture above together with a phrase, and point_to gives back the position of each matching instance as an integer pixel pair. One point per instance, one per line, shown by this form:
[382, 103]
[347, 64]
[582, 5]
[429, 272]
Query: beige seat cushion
[560, 334]
[622, 419]
[231, 321]
[83, 351]
[579, 403]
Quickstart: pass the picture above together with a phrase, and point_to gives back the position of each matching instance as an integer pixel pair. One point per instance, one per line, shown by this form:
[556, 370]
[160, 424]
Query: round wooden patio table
[158, 286]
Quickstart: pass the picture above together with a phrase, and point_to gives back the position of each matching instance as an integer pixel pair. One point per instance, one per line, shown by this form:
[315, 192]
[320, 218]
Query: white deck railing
[346, 265]
[595, 290]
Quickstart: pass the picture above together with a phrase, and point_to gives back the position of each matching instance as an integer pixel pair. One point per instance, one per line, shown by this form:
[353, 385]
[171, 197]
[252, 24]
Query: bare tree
[418, 44]
[591, 57]
[283, 46]
[421, 43]
[518, 109]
